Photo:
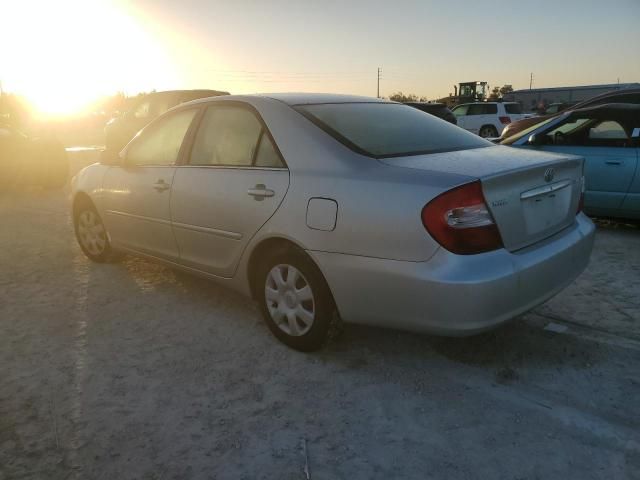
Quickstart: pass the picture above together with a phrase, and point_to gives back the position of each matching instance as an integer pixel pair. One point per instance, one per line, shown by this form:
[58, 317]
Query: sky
[63, 53]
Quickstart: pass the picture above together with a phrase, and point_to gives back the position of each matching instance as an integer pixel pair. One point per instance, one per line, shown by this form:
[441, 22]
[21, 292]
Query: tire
[91, 234]
[488, 131]
[295, 300]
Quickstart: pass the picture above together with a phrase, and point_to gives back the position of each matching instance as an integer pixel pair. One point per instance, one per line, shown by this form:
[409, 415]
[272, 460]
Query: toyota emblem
[548, 174]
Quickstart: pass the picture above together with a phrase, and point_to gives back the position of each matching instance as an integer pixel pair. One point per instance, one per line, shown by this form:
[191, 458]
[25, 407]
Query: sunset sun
[74, 51]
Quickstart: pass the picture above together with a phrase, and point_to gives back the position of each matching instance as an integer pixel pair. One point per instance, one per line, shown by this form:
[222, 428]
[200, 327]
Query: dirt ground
[134, 371]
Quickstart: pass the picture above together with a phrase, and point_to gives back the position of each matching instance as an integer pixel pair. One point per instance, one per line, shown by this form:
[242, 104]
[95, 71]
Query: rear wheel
[488, 131]
[295, 300]
[92, 234]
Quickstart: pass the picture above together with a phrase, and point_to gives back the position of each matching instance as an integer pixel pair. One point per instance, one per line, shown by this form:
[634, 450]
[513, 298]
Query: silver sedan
[329, 207]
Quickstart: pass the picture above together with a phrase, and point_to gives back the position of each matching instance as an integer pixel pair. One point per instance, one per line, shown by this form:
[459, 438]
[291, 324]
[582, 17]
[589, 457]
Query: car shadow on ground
[520, 343]
[515, 345]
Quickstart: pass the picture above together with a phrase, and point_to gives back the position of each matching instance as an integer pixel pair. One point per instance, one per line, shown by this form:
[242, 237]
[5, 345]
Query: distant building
[535, 98]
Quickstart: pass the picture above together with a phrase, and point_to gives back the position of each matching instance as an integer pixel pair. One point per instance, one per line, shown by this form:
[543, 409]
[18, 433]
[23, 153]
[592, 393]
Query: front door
[137, 194]
[232, 183]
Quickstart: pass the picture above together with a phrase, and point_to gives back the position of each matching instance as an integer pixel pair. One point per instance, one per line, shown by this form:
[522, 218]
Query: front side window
[588, 132]
[568, 127]
[160, 144]
[460, 110]
[233, 136]
[388, 129]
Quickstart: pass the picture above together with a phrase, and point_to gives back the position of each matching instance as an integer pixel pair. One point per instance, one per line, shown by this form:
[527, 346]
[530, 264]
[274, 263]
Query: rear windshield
[513, 108]
[383, 130]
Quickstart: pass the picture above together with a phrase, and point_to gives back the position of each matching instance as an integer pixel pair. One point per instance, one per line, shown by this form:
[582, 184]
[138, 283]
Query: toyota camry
[327, 207]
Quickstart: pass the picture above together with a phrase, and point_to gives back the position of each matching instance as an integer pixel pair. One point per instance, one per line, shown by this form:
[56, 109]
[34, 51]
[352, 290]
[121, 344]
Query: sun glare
[63, 55]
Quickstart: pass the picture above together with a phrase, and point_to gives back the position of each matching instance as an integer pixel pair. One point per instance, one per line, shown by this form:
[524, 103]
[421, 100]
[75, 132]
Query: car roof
[629, 111]
[612, 93]
[313, 98]
[293, 99]
[195, 91]
[487, 103]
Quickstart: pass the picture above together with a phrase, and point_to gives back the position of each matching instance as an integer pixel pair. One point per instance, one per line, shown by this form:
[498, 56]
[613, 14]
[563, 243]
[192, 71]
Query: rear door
[232, 182]
[137, 193]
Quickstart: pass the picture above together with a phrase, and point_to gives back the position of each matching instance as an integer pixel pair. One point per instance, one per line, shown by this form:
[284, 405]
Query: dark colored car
[439, 110]
[31, 161]
[628, 95]
[121, 129]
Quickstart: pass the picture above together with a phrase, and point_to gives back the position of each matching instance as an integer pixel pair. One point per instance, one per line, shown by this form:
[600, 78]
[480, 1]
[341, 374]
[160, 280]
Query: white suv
[487, 119]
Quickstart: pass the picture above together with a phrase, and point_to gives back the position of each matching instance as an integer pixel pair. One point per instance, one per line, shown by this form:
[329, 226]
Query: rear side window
[384, 130]
[233, 136]
[514, 108]
[267, 155]
[161, 144]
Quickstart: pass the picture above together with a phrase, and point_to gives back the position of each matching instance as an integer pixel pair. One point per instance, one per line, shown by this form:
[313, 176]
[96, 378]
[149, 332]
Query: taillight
[460, 221]
[505, 120]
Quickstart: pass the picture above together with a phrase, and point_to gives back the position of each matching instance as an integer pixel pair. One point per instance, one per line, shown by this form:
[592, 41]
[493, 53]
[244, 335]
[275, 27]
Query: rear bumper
[456, 294]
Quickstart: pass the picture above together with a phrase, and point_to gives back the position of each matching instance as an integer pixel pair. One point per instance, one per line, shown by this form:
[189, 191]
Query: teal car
[608, 138]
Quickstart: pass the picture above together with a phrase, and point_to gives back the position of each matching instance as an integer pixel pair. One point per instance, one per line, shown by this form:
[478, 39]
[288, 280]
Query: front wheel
[92, 235]
[295, 300]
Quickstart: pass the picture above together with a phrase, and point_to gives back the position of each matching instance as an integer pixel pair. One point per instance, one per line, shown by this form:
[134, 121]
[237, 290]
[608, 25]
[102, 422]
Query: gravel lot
[134, 371]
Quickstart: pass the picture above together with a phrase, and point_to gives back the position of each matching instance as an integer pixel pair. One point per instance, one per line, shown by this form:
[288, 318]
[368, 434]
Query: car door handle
[260, 192]
[613, 162]
[161, 186]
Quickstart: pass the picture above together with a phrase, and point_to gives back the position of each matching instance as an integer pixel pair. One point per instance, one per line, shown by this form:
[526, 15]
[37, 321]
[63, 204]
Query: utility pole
[531, 81]
[379, 72]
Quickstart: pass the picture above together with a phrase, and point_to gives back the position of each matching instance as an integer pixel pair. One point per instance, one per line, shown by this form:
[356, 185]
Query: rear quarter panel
[379, 206]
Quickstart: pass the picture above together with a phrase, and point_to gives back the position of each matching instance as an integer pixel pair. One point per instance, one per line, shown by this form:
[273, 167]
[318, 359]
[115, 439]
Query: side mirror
[534, 139]
[111, 157]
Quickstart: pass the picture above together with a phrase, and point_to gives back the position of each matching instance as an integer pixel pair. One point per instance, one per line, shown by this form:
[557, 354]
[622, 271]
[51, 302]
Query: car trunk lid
[531, 195]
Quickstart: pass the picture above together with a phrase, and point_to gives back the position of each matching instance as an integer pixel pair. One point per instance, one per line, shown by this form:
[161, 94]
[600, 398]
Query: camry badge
[548, 174]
